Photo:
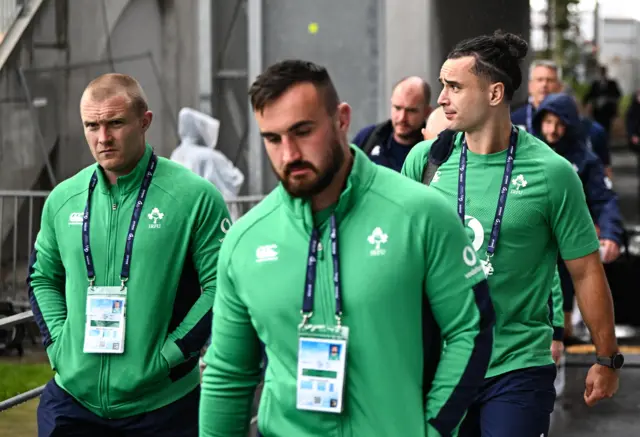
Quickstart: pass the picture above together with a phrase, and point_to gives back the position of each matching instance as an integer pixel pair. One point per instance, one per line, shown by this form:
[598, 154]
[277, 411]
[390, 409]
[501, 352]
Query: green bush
[16, 377]
[623, 105]
[580, 89]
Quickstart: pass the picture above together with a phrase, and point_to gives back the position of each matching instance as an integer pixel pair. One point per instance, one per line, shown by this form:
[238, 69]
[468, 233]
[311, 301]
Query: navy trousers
[60, 415]
[516, 404]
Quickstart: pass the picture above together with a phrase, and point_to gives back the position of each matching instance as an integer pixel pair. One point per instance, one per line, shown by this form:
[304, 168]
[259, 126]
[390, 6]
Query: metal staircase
[28, 131]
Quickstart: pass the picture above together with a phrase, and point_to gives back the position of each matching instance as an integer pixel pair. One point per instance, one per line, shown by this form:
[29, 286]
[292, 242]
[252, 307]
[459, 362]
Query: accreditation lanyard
[312, 261]
[135, 218]
[504, 189]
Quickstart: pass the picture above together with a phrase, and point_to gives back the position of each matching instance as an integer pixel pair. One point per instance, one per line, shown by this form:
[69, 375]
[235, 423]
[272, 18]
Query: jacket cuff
[558, 333]
[609, 235]
[172, 354]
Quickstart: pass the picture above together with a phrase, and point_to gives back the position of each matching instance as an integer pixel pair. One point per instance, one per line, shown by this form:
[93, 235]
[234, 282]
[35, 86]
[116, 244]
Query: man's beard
[411, 136]
[321, 181]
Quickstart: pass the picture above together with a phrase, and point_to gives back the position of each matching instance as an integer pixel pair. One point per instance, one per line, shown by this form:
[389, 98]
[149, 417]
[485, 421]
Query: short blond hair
[113, 84]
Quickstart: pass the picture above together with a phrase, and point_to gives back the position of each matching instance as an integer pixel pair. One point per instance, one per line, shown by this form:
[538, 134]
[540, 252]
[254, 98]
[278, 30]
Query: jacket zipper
[111, 234]
[326, 290]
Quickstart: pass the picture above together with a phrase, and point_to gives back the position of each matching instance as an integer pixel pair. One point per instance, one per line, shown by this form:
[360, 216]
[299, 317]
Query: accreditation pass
[321, 369]
[105, 323]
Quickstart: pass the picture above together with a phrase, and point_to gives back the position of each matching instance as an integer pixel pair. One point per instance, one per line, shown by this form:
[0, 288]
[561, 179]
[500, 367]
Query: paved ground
[625, 182]
[619, 416]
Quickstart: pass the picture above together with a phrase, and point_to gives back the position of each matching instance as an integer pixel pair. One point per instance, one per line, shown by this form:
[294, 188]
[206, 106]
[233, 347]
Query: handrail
[10, 10]
[9, 322]
[16, 319]
[21, 398]
[17, 27]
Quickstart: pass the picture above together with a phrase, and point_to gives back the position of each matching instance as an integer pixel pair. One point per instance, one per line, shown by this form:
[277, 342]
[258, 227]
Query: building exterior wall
[163, 36]
[367, 45]
[619, 51]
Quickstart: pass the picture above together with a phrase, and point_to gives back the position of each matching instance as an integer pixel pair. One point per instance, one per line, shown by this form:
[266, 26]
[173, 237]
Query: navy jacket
[523, 117]
[384, 150]
[597, 139]
[602, 201]
[595, 136]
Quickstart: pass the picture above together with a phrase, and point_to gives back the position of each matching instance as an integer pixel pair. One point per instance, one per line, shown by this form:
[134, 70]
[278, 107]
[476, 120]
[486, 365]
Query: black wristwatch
[615, 361]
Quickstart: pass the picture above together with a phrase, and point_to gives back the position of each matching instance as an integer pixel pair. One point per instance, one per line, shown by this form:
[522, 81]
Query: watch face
[617, 361]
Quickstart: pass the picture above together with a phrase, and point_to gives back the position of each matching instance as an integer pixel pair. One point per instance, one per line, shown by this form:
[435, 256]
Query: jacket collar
[129, 182]
[358, 181]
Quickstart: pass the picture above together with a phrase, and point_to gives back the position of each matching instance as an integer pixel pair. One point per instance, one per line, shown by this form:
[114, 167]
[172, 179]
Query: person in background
[389, 142]
[198, 152]
[544, 79]
[632, 119]
[558, 121]
[602, 99]
[436, 123]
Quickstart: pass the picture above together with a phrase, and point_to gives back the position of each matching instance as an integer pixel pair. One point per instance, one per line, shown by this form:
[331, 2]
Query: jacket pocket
[52, 352]
[133, 377]
[54, 348]
[264, 409]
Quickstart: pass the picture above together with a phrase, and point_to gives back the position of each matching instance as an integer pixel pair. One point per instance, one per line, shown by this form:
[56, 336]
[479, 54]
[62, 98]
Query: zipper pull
[320, 253]
[114, 206]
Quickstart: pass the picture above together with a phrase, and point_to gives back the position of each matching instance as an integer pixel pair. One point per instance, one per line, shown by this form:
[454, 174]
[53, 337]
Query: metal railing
[8, 323]
[19, 222]
[30, 200]
[9, 11]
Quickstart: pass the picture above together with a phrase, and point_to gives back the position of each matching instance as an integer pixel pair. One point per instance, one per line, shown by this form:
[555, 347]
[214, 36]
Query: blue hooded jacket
[602, 201]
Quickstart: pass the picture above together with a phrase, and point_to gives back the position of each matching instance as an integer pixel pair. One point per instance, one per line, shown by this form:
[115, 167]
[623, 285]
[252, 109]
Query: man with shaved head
[141, 234]
[436, 123]
[388, 143]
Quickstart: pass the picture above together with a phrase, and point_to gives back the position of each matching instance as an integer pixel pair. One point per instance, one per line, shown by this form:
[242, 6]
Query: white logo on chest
[266, 253]
[519, 183]
[155, 215]
[76, 218]
[377, 238]
[477, 239]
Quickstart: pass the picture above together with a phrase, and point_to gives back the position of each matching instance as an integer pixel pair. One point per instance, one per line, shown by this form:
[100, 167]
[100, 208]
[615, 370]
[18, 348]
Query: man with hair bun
[522, 204]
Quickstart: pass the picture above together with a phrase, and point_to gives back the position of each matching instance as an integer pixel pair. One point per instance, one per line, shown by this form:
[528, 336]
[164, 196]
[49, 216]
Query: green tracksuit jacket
[170, 289]
[400, 246]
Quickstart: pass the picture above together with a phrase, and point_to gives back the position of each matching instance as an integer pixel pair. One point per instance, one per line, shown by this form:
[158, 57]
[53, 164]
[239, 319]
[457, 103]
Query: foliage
[21, 377]
[564, 26]
[580, 89]
[624, 103]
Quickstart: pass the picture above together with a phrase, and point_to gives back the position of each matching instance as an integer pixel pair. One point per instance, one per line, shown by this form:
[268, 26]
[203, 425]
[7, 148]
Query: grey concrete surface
[619, 416]
[625, 183]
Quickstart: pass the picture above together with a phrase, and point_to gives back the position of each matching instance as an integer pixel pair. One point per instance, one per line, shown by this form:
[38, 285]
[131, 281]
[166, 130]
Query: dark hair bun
[517, 47]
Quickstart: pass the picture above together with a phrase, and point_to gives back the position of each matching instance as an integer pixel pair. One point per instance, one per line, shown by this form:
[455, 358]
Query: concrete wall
[165, 35]
[420, 33]
[619, 51]
[21, 152]
[367, 45]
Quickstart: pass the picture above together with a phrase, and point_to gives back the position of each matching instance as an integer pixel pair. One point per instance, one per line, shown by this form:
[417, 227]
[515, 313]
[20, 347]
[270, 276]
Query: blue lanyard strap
[504, 189]
[312, 261]
[135, 219]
